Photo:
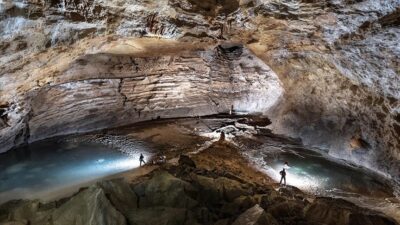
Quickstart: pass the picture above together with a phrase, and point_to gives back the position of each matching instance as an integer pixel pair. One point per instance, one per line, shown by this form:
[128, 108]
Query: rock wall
[109, 87]
[340, 70]
[73, 66]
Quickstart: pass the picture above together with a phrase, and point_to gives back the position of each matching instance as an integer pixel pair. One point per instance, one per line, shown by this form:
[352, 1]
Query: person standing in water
[141, 159]
[283, 176]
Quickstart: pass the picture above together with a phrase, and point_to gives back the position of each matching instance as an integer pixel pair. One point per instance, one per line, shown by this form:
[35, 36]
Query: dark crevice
[3, 116]
[108, 196]
[22, 138]
[391, 20]
[125, 99]
[214, 102]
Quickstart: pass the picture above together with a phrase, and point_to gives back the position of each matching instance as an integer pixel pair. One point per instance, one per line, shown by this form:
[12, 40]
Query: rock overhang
[336, 60]
[129, 80]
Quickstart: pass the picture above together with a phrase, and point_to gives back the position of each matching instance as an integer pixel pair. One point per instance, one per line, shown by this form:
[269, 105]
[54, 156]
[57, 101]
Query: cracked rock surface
[189, 194]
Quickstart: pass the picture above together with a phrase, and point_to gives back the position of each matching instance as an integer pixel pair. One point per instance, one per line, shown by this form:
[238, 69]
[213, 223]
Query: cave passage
[52, 168]
[317, 172]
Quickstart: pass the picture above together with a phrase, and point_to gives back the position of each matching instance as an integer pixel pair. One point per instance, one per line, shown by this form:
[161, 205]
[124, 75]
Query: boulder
[122, 197]
[29, 212]
[232, 189]
[291, 192]
[332, 211]
[239, 205]
[18, 210]
[210, 198]
[163, 189]
[222, 222]
[222, 188]
[210, 193]
[89, 207]
[162, 216]
[15, 223]
[365, 219]
[288, 212]
[255, 216]
[270, 199]
[204, 215]
[186, 161]
[329, 211]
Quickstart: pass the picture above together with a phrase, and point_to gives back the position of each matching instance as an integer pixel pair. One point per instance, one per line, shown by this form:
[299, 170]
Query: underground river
[49, 169]
[52, 168]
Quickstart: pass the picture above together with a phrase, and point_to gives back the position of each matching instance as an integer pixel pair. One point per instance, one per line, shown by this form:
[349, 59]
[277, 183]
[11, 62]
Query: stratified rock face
[325, 71]
[115, 85]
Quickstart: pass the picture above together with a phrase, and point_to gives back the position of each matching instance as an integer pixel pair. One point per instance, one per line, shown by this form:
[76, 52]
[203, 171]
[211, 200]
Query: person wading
[141, 159]
[283, 176]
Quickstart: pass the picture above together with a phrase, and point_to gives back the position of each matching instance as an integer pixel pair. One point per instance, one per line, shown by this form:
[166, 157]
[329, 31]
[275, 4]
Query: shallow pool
[316, 172]
[44, 169]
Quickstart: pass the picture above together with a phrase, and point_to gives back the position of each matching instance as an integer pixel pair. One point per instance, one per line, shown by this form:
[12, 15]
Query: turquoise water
[316, 172]
[44, 169]
[51, 166]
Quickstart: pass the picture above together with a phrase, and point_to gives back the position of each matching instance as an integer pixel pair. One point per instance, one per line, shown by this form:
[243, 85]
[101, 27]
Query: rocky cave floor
[205, 181]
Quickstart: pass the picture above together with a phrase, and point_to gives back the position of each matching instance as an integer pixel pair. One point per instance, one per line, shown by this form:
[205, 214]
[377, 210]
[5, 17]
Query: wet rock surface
[323, 71]
[183, 194]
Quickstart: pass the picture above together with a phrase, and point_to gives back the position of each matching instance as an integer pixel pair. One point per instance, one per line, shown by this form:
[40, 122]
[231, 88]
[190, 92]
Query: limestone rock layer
[108, 89]
[323, 71]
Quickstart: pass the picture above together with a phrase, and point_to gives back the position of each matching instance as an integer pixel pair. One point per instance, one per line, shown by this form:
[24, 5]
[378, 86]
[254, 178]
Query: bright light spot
[297, 177]
[100, 160]
[123, 164]
[101, 167]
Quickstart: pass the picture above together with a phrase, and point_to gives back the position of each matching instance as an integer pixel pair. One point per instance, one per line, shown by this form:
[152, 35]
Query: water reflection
[316, 172]
[49, 166]
[322, 175]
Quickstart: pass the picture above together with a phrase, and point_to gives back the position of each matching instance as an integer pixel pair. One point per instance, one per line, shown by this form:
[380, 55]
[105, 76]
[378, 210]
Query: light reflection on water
[322, 175]
[316, 172]
[50, 166]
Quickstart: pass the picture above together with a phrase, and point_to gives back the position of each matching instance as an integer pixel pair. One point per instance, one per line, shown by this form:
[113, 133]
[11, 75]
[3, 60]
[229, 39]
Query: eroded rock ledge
[119, 84]
[337, 60]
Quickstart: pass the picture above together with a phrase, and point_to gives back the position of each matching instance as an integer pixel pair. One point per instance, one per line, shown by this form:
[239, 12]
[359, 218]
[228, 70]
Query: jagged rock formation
[329, 72]
[188, 195]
